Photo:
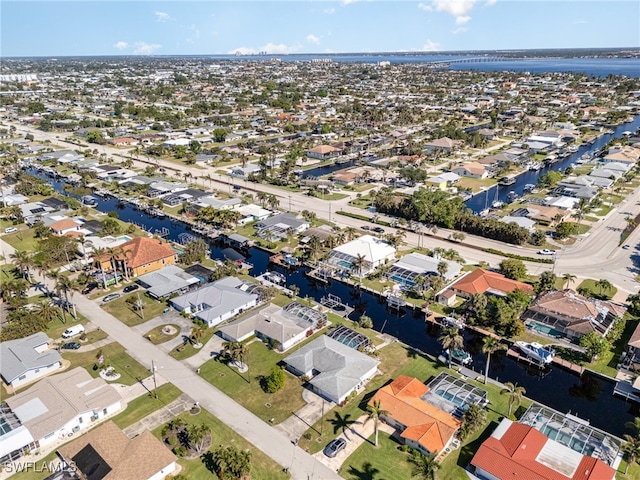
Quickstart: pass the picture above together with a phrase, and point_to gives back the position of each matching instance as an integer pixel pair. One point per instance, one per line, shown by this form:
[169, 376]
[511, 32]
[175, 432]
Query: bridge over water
[481, 59]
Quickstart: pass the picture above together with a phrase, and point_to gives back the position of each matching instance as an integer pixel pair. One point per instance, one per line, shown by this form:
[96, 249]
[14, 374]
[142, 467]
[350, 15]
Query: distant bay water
[598, 66]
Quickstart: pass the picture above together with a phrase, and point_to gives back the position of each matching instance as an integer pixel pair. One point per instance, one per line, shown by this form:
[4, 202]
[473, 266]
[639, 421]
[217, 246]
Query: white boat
[528, 187]
[89, 201]
[535, 166]
[459, 356]
[497, 204]
[537, 352]
[452, 322]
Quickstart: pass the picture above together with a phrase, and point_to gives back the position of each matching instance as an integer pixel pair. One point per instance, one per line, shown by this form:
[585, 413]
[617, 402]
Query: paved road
[265, 437]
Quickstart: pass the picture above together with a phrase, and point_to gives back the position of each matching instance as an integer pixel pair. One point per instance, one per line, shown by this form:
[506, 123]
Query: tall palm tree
[46, 311]
[631, 450]
[64, 286]
[568, 278]
[374, 412]
[515, 394]
[358, 263]
[451, 340]
[490, 345]
[23, 261]
[424, 467]
[349, 233]
[114, 255]
[443, 267]
[603, 284]
[235, 351]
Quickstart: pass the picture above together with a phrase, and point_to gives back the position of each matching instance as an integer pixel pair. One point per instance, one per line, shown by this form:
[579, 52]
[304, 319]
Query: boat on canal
[506, 181]
[459, 356]
[538, 353]
[89, 201]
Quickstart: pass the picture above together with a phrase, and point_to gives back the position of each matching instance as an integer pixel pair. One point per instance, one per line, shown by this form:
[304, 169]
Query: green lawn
[129, 369]
[120, 309]
[245, 387]
[186, 350]
[384, 461]
[157, 336]
[262, 467]
[590, 284]
[146, 404]
[22, 240]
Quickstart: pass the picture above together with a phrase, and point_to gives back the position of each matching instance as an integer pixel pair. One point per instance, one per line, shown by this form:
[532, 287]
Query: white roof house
[520, 221]
[407, 268]
[27, 359]
[374, 250]
[335, 369]
[56, 407]
[216, 302]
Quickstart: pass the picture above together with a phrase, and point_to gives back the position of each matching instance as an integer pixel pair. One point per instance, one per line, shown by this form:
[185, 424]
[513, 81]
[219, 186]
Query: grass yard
[262, 467]
[384, 461]
[157, 336]
[40, 474]
[120, 309]
[146, 404]
[129, 369]
[245, 387]
[22, 240]
[187, 350]
[590, 284]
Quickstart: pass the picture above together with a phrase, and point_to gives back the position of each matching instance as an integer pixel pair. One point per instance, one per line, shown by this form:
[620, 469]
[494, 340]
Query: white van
[73, 331]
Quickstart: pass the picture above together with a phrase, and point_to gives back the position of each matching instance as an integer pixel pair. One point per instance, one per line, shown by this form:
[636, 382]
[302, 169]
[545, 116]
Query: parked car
[366, 227]
[334, 447]
[10, 230]
[71, 346]
[546, 252]
[90, 288]
[378, 229]
[131, 288]
[626, 246]
[111, 296]
[73, 331]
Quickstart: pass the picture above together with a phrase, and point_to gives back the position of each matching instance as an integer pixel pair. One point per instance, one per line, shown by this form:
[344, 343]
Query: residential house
[216, 302]
[161, 188]
[335, 371]
[412, 265]
[280, 327]
[520, 221]
[372, 250]
[66, 226]
[252, 212]
[444, 144]
[280, 225]
[142, 255]
[106, 453]
[422, 425]
[573, 315]
[323, 152]
[167, 281]
[27, 359]
[444, 180]
[632, 357]
[515, 450]
[471, 170]
[486, 283]
[54, 409]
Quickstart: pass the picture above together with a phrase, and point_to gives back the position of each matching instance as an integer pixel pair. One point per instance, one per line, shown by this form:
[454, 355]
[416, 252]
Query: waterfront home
[632, 357]
[160, 188]
[280, 327]
[471, 170]
[216, 302]
[27, 359]
[280, 225]
[405, 270]
[443, 181]
[372, 250]
[486, 283]
[515, 450]
[184, 196]
[167, 281]
[572, 315]
[323, 152]
[66, 226]
[52, 410]
[141, 255]
[210, 200]
[245, 171]
[252, 212]
[335, 371]
[106, 453]
[520, 221]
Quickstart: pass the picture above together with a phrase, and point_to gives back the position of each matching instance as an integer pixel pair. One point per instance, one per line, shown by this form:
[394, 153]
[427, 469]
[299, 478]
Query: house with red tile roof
[518, 451]
[486, 283]
[141, 255]
[66, 226]
[423, 426]
[574, 315]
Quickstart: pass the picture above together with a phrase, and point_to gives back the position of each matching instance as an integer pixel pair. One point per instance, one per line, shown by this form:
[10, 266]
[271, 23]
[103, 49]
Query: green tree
[423, 467]
[568, 279]
[566, 229]
[630, 449]
[604, 285]
[549, 179]
[374, 412]
[513, 268]
[195, 251]
[546, 282]
[95, 136]
[451, 340]
[594, 345]
[219, 134]
[473, 418]
[365, 321]
[515, 394]
[275, 380]
[198, 436]
[490, 345]
[195, 146]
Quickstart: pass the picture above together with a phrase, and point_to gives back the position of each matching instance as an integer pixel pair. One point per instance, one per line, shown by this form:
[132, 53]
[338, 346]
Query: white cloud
[162, 17]
[143, 48]
[431, 46]
[347, 2]
[462, 20]
[459, 30]
[121, 45]
[311, 38]
[272, 48]
[456, 8]
[425, 7]
[490, 3]
[329, 11]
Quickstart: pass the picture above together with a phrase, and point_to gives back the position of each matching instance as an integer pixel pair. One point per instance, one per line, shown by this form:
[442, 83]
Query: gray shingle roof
[19, 356]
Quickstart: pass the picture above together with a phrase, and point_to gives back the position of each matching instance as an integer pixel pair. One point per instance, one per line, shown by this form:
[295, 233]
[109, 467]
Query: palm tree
[98, 255]
[473, 418]
[22, 261]
[490, 345]
[603, 284]
[515, 394]
[46, 311]
[114, 255]
[421, 283]
[197, 436]
[314, 247]
[568, 279]
[374, 412]
[64, 286]
[349, 233]
[424, 467]
[197, 333]
[631, 450]
[451, 340]
[443, 267]
[358, 263]
[236, 352]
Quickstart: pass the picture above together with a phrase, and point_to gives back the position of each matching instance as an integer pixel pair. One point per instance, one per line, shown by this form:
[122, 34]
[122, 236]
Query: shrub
[172, 440]
[365, 322]
[180, 451]
[275, 381]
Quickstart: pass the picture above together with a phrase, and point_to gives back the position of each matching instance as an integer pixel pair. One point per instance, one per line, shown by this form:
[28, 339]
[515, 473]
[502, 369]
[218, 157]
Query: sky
[119, 27]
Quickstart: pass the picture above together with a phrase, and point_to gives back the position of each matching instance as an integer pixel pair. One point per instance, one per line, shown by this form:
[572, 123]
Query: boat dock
[334, 303]
[514, 353]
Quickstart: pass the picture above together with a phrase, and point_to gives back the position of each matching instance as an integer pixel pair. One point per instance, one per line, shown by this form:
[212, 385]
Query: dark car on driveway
[90, 288]
[131, 288]
[71, 346]
[334, 447]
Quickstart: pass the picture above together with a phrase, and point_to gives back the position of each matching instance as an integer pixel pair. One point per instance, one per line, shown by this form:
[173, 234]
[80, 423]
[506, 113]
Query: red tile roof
[481, 281]
[425, 424]
[143, 250]
[515, 455]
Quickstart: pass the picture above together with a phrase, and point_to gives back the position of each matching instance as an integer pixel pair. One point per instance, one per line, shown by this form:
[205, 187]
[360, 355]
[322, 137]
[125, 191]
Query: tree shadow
[368, 472]
[468, 450]
[341, 422]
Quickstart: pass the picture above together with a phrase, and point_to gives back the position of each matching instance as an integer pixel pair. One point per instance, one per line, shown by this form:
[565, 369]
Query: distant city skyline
[209, 27]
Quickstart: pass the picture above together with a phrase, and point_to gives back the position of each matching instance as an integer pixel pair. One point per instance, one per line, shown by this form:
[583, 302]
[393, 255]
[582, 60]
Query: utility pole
[141, 306]
[155, 384]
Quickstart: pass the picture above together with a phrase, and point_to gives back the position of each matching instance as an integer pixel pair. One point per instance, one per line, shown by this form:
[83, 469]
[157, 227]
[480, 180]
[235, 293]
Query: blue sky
[57, 28]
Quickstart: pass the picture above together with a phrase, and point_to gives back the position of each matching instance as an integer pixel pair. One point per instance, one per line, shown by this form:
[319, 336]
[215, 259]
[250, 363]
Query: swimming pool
[545, 330]
[345, 264]
[451, 398]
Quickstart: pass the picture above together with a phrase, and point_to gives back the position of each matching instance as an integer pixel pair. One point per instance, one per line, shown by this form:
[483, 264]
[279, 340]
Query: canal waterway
[588, 397]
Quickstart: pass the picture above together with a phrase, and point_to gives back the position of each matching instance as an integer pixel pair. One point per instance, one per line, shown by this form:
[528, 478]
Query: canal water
[589, 397]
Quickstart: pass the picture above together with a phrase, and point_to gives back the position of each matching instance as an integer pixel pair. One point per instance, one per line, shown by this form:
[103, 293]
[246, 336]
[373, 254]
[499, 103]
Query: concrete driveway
[298, 423]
